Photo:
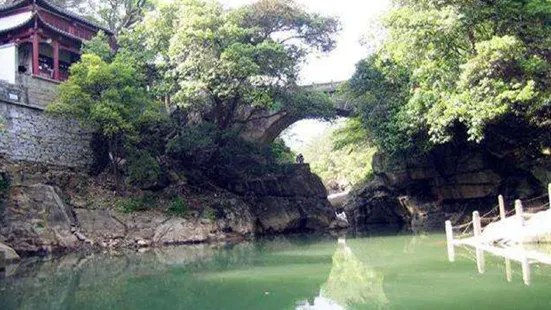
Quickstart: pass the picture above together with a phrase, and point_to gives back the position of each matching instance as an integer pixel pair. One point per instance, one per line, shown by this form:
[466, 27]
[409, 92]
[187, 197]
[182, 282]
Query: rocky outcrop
[374, 204]
[50, 210]
[423, 191]
[35, 220]
[291, 199]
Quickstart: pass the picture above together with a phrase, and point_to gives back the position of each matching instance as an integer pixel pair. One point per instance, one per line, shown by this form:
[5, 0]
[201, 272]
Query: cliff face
[292, 199]
[53, 209]
[424, 191]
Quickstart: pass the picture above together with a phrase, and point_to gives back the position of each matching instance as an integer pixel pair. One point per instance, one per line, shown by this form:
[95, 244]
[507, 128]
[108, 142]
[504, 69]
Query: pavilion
[40, 39]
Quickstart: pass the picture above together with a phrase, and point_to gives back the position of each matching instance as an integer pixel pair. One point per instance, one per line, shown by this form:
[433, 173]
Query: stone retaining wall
[39, 91]
[28, 133]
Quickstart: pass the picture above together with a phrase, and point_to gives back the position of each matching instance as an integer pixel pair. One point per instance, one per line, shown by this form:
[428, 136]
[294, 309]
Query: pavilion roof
[13, 22]
[27, 18]
[61, 11]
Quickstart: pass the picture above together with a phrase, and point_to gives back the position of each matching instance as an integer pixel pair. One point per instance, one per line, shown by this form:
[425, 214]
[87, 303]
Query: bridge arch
[266, 127]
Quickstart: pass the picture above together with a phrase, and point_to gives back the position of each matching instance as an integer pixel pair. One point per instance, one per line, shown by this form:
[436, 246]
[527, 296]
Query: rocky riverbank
[49, 209]
[421, 192]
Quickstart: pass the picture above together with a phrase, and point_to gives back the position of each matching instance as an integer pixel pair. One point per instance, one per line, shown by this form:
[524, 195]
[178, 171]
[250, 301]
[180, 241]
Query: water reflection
[393, 272]
[350, 283]
[526, 257]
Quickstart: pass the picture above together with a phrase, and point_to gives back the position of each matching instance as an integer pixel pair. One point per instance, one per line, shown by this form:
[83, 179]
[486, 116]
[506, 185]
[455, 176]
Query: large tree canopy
[222, 67]
[224, 61]
[459, 69]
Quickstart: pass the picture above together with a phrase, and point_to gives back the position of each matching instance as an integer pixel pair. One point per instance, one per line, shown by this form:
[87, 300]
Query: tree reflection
[351, 284]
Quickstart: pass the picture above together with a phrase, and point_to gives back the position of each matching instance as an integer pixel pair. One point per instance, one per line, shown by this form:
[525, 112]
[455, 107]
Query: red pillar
[56, 61]
[36, 46]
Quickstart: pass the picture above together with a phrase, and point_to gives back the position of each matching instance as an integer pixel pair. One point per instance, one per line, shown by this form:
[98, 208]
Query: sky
[339, 65]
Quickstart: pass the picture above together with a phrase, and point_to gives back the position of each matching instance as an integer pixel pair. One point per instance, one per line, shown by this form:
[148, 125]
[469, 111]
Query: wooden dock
[505, 235]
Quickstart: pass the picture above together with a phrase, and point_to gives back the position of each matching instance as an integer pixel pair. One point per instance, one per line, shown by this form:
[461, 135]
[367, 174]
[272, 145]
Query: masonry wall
[39, 91]
[30, 134]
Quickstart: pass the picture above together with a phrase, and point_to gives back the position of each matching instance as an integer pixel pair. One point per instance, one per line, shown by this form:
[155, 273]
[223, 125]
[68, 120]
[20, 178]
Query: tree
[116, 15]
[121, 14]
[224, 61]
[459, 70]
[110, 98]
[337, 155]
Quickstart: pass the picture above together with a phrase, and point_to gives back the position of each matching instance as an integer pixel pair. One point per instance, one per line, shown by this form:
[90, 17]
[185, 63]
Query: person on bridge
[300, 159]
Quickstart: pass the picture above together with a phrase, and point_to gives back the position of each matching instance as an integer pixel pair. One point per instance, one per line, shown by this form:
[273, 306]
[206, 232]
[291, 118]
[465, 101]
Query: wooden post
[56, 60]
[480, 261]
[519, 212]
[449, 238]
[477, 228]
[508, 271]
[501, 207]
[526, 276]
[36, 48]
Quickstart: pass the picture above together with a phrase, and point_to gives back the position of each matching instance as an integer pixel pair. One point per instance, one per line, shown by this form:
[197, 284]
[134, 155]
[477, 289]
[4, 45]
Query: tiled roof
[65, 33]
[26, 21]
[73, 15]
[14, 22]
[53, 7]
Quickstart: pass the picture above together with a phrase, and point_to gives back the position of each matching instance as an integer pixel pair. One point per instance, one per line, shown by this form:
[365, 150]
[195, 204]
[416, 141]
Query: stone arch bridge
[267, 125]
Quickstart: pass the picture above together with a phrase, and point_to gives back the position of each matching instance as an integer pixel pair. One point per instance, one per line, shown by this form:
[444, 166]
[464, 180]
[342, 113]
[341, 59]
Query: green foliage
[178, 207]
[113, 14]
[143, 169]
[222, 60]
[334, 157]
[193, 140]
[108, 97]
[281, 153]
[209, 214]
[121, 14]
[131, 205]
[147, 201]
[457, 70]
[380, 88]
[99, 45]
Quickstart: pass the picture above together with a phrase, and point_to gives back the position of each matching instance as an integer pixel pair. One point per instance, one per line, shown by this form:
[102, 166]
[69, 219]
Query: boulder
[99, 224]
[36, 220]
[373, 204]
[275, 215]
[338, 200]
[8, 254]
[181, 231]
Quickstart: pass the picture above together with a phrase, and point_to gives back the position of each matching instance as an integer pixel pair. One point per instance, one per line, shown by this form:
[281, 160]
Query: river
[392, 272]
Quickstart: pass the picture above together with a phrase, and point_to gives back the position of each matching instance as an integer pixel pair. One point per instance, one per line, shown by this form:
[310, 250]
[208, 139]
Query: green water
[400, 272]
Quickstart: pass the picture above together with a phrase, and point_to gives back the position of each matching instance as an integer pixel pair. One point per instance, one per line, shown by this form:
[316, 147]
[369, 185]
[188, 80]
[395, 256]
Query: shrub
[192, 141]
[210, 214]
[130, 205]
[143, 169]
[281, 153]
[178, 206]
